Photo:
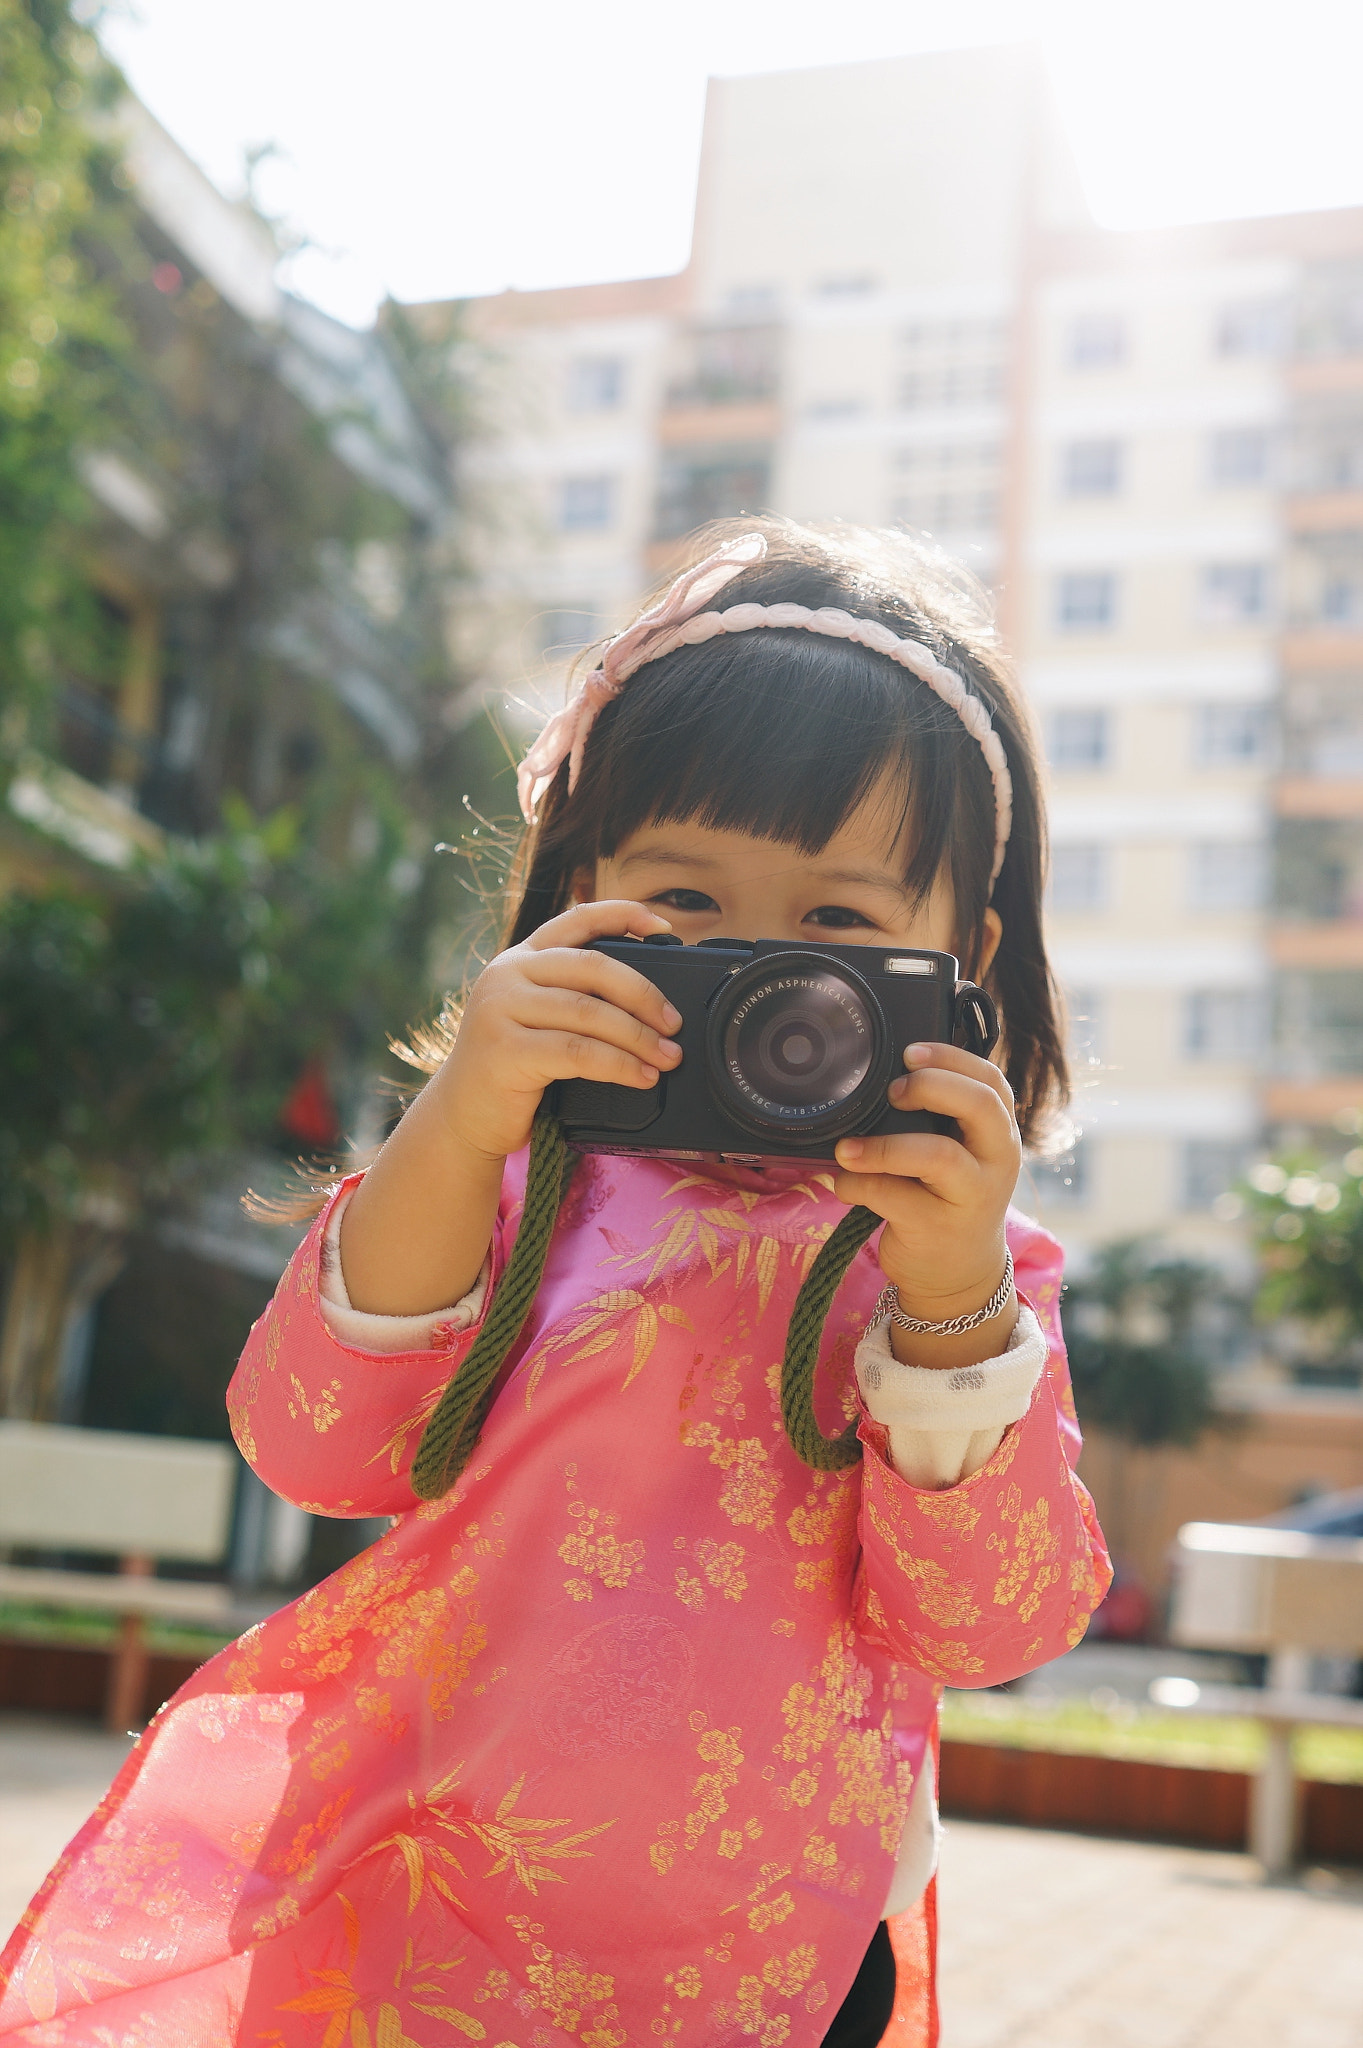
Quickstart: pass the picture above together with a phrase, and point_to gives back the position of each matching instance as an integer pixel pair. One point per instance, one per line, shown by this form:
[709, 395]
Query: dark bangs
[785, 734]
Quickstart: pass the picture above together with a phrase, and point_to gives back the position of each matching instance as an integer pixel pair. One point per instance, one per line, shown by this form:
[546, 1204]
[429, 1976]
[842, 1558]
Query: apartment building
[898, 312]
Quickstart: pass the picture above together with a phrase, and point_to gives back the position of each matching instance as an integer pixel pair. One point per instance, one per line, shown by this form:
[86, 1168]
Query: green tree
[145, 1030]
[61, 336]
[1307, 1218]
[1144, 1334]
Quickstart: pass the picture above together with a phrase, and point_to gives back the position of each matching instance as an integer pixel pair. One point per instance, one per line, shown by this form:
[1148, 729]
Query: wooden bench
[141, 1499]
[1290, 1595]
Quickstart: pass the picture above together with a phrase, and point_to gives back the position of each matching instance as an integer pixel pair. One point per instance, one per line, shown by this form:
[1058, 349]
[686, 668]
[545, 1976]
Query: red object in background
[166, 277]
[1125, 1615]
[309, 1113]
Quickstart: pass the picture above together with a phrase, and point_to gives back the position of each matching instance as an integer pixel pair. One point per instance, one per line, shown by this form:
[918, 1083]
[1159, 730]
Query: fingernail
[669, 1050]
[665, 922]
[899, 1089]
[650, 1074]
[917, 1055]
[851, 1148]
[671, 1016]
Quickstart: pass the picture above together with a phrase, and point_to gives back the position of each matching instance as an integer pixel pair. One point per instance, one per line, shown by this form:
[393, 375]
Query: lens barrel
[797, 1047]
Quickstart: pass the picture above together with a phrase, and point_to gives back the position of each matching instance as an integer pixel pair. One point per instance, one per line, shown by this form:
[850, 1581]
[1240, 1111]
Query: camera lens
[796, 1046]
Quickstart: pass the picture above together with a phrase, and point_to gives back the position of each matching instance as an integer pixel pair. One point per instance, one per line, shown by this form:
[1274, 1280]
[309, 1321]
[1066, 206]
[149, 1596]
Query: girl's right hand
[548, 1011]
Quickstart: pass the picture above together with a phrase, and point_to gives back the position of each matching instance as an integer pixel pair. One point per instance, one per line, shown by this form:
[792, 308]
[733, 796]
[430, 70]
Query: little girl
[626, 1736]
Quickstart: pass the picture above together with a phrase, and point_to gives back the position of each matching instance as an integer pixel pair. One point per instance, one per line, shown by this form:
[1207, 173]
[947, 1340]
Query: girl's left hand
[944, 1200]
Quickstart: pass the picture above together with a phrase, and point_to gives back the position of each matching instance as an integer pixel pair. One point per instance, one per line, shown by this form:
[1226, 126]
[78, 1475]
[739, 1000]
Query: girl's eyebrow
[862, 878]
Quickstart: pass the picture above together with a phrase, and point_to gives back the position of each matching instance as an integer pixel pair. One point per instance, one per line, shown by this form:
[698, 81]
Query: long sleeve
[328, 1405]
[980, 1581]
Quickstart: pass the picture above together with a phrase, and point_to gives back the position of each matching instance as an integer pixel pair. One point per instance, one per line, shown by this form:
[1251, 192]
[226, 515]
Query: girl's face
[720, 884]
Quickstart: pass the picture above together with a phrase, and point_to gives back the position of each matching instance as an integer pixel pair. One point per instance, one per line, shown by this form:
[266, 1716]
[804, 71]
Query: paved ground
[1048, 1940]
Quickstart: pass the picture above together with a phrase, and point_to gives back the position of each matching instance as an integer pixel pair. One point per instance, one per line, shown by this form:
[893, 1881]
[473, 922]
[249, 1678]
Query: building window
[1230, 735]
[1238, 456]
[1227, 874]
[1097, 341]
[952, 364]
[1233, 593]
[1079, 877]
[1254, 327]
[1223, 1023]
[1078, 739]
[855, 285]
[696, 485]
[1210, 1169]
[1084, 1014]
[1091, 469]
[596, 384]
[1064, 1183]
[586, 504]
[948, 486]
[1086, 600]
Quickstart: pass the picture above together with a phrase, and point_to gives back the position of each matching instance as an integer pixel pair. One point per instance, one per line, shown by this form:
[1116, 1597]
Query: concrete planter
[1154, 1802]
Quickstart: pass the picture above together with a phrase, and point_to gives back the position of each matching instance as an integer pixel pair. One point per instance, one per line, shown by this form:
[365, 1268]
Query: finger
[953, 1059]
[927, 1156]
[612, 980]
[573, 1056]
[579, 1013]
[612, 919]
[985, 1121]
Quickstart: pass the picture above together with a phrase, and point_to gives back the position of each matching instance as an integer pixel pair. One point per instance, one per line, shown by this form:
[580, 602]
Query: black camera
[786, 1049]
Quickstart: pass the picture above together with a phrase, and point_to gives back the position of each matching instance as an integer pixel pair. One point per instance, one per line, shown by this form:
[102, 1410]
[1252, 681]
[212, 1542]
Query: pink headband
[679, 620]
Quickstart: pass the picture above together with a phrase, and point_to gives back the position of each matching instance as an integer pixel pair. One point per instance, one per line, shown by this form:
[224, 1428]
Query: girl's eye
[837, 917]
[685, 899]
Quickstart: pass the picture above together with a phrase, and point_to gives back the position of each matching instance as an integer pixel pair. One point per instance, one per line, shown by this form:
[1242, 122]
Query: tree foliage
[60, 332]
[167, 1018]
[1307, 1217]
[1144, 1334]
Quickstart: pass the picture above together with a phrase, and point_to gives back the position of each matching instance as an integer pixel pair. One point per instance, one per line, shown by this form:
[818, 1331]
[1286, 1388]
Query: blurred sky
[433, 148]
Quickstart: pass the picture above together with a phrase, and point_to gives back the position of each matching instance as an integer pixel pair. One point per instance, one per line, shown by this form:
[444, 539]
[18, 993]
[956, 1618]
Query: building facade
[1150, 445]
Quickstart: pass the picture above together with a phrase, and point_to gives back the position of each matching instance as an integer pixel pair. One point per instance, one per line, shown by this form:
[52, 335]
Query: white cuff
[946, 1424]
[360, 1331]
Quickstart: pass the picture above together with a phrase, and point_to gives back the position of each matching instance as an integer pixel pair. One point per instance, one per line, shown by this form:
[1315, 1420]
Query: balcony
[1330, 945]
[730, 420]
[1319, 796]
[1334, 511]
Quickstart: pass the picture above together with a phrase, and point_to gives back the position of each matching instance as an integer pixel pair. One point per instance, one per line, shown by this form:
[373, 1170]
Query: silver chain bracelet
[887, 1308]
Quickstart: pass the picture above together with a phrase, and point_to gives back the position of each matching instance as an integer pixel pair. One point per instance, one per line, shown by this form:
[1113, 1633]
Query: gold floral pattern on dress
[322, 1405]
[565, 1989]
[750, 1488]
[950, 1605]
[595, 1551]
[1028, 1564]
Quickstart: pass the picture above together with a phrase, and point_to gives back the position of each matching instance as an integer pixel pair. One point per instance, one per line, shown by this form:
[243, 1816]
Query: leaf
[325, 1998]
[645, 1337]
[389, 2032]
[352, 1928]
[671, 1314]
[452, 2017]
[768, 1259]
[359, 2030]
[675, 1242]
[744, 1247]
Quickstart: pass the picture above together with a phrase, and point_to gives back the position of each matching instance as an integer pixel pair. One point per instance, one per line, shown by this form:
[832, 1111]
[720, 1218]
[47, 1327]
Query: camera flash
[907, 963]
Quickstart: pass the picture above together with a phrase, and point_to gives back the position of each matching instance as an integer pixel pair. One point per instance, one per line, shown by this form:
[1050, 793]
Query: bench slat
[118, 1593]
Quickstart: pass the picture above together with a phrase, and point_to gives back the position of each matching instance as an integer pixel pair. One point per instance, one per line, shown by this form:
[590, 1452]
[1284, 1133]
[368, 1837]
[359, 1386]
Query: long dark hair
[784, 733]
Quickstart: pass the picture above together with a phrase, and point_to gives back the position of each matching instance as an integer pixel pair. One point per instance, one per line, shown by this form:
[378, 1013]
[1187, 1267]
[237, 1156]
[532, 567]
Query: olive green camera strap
[448, 1440]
